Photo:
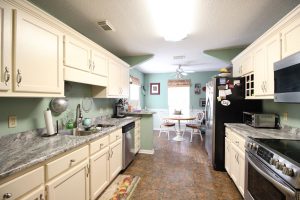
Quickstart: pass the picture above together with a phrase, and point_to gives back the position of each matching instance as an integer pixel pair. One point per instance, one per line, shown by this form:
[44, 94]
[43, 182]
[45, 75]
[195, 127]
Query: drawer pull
[41, 197]
[72, 160]
[117, 137]
[101, 145]
[19, 77]
[6, 76]
[7, 195]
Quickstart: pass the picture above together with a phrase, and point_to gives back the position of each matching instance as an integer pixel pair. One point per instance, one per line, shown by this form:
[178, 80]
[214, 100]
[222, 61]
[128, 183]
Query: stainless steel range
[272, 169]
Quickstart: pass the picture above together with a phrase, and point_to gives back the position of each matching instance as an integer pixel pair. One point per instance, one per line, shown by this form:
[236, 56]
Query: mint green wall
[29, 111]
[136, 73]
[293, 111]
[161, 101]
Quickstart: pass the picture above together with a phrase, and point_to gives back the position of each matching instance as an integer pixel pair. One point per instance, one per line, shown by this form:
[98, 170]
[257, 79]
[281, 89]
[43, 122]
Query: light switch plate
[12, 121]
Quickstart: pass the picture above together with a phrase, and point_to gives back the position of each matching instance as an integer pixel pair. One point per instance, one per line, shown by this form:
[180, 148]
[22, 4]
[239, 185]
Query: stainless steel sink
[105, 125]
[85, 133]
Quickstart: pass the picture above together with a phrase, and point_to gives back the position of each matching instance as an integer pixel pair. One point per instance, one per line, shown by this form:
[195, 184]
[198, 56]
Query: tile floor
[179, 171]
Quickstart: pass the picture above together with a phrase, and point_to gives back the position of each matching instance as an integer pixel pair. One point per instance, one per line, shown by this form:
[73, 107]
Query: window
[134, 96]
[179, 99]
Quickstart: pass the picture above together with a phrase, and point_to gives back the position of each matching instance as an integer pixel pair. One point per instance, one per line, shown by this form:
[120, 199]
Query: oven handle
[277, 184]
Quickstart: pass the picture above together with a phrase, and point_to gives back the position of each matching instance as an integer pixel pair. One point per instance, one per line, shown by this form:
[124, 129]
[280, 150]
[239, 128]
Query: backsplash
[293, 111]
[29, 111]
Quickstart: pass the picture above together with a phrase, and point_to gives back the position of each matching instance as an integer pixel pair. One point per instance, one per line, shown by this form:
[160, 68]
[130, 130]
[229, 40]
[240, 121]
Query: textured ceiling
[218, 24]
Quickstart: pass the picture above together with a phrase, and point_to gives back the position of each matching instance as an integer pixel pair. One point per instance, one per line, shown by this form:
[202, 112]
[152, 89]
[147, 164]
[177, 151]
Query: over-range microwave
[287, 79]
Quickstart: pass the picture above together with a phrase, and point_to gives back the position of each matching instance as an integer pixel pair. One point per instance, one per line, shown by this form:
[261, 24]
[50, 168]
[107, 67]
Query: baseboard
[144, 151]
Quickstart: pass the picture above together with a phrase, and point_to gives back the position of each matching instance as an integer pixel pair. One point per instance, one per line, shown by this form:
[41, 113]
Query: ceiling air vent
[106, 25]
[178, 57]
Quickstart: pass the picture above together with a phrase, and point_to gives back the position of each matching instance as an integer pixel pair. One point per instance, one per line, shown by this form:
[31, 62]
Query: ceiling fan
[180, 73]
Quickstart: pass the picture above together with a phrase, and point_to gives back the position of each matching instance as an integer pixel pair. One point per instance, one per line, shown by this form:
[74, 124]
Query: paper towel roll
[49, 122]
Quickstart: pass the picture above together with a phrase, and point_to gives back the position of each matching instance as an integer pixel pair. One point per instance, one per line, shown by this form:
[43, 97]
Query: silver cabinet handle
[111, 154]
[93, 65]
[72, 160]
[7, 195]
[101, 145]
[6, 75]
[117, 136]
[108, 155]
[90, 64]
[19, 77]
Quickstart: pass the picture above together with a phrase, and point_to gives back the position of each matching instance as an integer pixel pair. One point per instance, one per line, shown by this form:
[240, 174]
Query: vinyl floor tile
[180, 171]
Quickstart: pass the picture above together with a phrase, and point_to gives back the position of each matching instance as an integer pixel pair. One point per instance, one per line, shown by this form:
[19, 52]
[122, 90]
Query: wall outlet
[285, 116]
[12, 121]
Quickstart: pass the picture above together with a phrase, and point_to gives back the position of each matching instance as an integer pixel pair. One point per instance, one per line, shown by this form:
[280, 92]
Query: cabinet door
[227, 155]
[241, 163]
[290, 36]
[272, 55]
[259, 70]
[6, 42]
[236, 71]
[247, 64]
[125, 81]
[73, 184]
[37, 55]
[114, 81]
[38, 194]
[99, 172]
[76, 54]
[234, 167]
[100, 63]
[115, 162]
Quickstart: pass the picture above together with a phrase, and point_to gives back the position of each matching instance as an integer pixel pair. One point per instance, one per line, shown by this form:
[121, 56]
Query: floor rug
[121, 188]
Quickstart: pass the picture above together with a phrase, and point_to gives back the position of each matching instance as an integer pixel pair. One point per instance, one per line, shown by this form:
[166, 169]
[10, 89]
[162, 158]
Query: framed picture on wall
[155, 88]
[197, 88]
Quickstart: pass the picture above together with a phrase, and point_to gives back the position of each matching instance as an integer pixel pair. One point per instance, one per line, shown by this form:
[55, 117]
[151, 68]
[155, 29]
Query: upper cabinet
[84, 64]
[31, 49]
[280, 41]
[290, 36]
[118, 81]
[5, 41]
[37, 56]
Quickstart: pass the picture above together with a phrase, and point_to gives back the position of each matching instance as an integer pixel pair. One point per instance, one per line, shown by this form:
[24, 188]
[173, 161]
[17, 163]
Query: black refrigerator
[225, 103]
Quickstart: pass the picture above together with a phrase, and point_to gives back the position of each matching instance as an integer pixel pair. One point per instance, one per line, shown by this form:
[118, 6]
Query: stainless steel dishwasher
[128, 144]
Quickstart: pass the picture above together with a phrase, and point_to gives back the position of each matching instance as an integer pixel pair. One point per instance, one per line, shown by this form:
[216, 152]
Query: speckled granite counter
[245, 131]
[23, 150]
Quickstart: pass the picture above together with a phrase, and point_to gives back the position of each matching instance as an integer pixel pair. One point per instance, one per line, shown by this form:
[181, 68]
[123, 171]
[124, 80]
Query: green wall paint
[293, 111]
[225, 54]
[136, 60]
[136, 73]
[161, 101]
[29, 111]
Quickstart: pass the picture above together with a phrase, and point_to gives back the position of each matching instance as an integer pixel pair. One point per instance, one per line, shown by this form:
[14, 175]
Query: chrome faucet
[79, 117]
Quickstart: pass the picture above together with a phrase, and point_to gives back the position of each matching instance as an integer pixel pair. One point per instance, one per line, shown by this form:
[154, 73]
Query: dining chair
[195, 126]
[165, 125]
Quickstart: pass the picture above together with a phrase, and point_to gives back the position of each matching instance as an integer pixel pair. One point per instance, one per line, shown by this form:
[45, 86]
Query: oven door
[262, 183]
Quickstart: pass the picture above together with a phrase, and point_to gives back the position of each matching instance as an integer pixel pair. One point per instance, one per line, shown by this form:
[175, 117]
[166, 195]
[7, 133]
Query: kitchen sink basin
[85, 133]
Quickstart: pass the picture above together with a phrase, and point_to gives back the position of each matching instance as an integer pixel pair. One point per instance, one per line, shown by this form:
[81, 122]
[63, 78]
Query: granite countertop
[23, 150]
[284, 133]
[142, 112]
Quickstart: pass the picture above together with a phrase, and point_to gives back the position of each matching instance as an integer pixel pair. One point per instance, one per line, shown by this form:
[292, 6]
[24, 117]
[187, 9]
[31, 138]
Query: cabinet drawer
[236, 139]
[99, 144]
[61, 164]
[116, 135]
[23, 184]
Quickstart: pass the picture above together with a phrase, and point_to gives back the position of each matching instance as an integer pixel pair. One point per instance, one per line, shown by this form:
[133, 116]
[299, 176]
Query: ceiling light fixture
[173, 18]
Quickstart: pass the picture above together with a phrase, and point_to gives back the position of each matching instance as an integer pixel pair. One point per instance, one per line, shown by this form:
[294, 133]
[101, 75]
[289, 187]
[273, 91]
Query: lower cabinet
[235, 159]
[73, 184]
[99, 178]
[115, 160]
[38, 194]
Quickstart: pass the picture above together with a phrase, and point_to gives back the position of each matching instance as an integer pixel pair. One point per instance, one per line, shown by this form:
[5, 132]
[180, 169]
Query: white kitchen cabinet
[264, 57]
[73, 184]
[290, 36]
[99, 178]
[76, 54]
[227, 155]
[23, 185]
[115, 160]
[84, 64]
[5, 41]
[38, 194]
[235, 158]
[37, 56]
[243, 65]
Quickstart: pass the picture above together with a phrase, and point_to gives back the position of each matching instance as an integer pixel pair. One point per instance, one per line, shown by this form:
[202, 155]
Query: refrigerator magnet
[236, 82]
[225, 102]
[219, 98]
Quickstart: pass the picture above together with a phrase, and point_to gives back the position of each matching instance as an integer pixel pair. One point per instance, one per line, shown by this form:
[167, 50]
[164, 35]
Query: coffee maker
[119, 109]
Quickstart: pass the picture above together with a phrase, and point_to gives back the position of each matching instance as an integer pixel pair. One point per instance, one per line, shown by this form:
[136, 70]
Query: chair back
[200, 116]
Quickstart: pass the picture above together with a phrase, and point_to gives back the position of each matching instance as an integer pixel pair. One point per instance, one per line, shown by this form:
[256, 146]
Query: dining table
[179, 118]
